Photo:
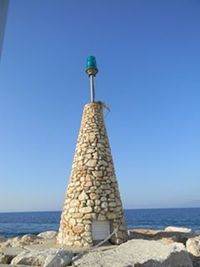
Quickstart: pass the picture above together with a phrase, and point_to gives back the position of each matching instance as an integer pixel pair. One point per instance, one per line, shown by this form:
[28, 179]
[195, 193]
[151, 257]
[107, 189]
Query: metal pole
[92, 91]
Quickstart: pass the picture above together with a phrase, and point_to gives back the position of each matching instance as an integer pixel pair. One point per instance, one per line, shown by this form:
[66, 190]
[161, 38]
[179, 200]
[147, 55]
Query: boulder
[2, 239]
[145, 232]
[12, 242]
[30, 258]
[165, 236]
[12, 252]
[178, 229]
[8, 265]
[45, 258]
[181, 234]
[4, 244]
[60, 259]
[21, 241]
[5, 258]
[8, 253]
[48, 235]
[193, 246]
[30, 239]
[140, 253]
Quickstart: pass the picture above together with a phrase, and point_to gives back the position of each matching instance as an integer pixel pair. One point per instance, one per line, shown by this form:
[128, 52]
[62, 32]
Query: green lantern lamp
[91, 70]
[91, 66]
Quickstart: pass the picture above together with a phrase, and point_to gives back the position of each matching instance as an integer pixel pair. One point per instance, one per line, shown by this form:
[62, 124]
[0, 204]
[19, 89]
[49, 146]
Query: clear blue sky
[148, 54]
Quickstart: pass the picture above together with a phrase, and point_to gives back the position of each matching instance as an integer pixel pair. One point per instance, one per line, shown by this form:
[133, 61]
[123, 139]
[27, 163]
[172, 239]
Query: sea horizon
[34, 222]
[32, 211]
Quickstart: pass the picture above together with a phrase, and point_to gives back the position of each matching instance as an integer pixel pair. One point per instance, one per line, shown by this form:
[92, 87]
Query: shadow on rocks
[195, 260]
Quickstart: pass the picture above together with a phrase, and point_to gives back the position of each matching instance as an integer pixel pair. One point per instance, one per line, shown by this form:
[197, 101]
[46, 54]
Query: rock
[8, 253]
[21, 241]
[60, 259]
[101, 217]
[34, 258]
[4, 244]
[165, 236]
[151, 234]
[9, 243]
[72, 210]
[98, 173]
[181, 234]
[2, 239]
[14, 242]
[74, 203]
[178, 229]
[48, 235]
[72, 222]
[86, 210]
[112, 204]
[30, 239]
[193, 246]
[140, 253]
[97, 209]
[8, 265]
[91, 163]
[94, 196]
[45, 258]
[79, 228]
[88, 184]
[111, 215]
[83, 195]
[90, 203]
[104, 205]
[77, 215]
[5, 258]
[144, 232]
[168, 240]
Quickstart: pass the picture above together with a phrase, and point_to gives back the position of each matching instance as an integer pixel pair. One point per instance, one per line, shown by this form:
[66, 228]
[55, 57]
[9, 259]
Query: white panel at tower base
[92, 207]
[100, 230]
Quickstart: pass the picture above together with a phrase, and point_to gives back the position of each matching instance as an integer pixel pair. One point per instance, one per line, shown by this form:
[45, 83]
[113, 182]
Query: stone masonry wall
[92, 193]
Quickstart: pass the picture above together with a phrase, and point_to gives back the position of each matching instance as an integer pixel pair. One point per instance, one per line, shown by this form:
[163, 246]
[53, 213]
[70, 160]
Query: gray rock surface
[138, 253]
[45, 258]
[149, 248]
[60, 259]
[12, 251]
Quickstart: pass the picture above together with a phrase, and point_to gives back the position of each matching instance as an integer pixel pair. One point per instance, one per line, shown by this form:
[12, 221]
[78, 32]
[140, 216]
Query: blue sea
[13, 224]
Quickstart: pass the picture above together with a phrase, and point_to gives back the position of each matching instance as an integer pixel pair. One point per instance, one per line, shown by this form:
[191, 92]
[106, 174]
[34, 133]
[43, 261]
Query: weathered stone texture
[138, 253]
[92, 193]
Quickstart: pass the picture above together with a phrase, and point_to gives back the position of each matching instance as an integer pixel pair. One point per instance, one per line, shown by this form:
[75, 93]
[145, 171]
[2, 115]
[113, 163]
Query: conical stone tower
[92, 208]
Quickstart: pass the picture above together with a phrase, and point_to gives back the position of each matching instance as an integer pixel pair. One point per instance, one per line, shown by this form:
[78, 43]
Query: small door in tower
[100, 230]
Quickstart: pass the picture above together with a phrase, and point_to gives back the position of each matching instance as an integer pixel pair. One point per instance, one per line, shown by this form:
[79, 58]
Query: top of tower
[91, 66]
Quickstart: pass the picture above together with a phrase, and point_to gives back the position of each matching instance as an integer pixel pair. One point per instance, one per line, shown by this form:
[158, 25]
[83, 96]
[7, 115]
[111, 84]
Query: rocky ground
[171, 247]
